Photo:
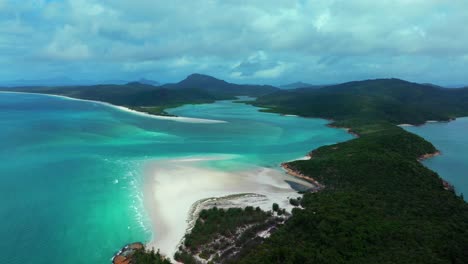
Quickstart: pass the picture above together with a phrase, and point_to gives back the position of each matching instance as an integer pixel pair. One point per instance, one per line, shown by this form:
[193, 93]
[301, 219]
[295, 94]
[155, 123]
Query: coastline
[446, 185]
[347, 129]
[429, 155]
[128, 110]
[293, 172]
[428, 122]
[176, 190]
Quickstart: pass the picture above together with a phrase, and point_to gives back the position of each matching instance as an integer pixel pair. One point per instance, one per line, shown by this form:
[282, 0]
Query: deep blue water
[452, 140]
[70, 171]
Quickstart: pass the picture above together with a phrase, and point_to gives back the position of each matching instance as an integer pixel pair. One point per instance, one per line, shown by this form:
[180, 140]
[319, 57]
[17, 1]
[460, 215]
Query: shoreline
[446, 184]
[427, 122]
[429, 155]
[175, 190]
[347, 129]
[128, 110]
[297, 174]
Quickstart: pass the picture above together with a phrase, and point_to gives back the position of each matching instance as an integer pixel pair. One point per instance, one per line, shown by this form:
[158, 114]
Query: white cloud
[273, 72]
[322, 20]
[67, 46]
[181, 62]
[75, 51]
[322, 38]
[236, 75]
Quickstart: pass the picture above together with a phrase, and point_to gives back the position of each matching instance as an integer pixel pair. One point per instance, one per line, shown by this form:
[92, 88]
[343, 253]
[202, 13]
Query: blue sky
[255, 41]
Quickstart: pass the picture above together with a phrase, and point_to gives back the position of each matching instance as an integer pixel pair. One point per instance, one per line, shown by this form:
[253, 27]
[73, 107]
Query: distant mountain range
[66, 81]
[196, 88]
[300, 85]
[211, 84]
[149, 82]
[393, 99]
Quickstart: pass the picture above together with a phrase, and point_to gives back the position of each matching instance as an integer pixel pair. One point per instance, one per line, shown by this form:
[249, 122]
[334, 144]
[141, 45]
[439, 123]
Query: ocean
[450, 138]
[71, 171]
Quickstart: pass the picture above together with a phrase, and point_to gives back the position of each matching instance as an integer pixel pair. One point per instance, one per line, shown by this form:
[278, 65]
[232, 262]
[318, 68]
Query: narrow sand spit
[174, 190]
[125, 109]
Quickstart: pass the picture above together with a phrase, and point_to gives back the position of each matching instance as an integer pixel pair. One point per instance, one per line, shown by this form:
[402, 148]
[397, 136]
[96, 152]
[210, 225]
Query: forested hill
[392, 100]
[211, 84]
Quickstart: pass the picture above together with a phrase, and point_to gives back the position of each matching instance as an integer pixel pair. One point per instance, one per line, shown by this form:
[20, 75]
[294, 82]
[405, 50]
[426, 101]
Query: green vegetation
[155, 110]
[220, 87]
[295, 202]
[380, 205]
[225, 222]
[222, 236]
[275, 207]
[392, 100]
[142, 256]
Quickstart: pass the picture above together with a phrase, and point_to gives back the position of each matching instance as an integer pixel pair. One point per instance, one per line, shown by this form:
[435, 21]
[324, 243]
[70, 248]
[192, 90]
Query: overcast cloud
[263, 41]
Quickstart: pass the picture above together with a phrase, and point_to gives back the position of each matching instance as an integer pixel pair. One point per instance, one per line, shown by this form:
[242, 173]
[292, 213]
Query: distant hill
[213, 85]
[150, 82]
[130, 94]
[58, 81]
[393, 100]
[300, 85]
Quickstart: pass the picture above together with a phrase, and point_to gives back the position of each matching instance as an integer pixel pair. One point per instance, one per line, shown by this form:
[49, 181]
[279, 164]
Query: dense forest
[390, 100]
[222, 235]
[380, 205]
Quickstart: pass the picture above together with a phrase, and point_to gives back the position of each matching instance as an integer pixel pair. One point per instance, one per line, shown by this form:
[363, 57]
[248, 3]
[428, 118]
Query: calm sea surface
[70, 171]
[452, 140]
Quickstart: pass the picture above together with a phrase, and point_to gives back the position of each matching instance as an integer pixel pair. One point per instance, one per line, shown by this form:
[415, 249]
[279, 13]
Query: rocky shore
[293, 172]
[429, 155]
[124, 256]
[446, 184]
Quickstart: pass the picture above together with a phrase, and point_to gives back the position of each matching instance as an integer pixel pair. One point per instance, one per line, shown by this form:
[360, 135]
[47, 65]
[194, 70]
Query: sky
[242, 41]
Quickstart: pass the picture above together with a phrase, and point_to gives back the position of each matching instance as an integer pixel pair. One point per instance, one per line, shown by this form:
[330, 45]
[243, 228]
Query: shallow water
[70, 171]
[452, 140]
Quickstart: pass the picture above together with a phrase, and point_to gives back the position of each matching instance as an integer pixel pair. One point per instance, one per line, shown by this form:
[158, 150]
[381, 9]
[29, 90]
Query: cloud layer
[255, 41]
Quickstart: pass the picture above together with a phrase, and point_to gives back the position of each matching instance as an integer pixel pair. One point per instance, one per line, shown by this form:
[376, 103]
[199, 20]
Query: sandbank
[177, 189]
[125, 109]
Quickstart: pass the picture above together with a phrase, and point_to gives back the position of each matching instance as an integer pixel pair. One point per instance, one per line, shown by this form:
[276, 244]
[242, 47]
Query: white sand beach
[125, 109]
[175, 189]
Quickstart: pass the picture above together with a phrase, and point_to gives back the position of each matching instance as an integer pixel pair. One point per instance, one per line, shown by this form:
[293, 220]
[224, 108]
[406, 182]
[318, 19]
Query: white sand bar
[125, 109]
[173, 188]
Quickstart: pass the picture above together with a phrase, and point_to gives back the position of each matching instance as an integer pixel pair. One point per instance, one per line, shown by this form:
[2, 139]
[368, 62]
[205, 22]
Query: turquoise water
[452, 140]
[70, 171]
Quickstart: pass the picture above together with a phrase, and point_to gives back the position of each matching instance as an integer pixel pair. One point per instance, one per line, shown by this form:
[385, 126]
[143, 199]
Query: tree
[275, 207]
